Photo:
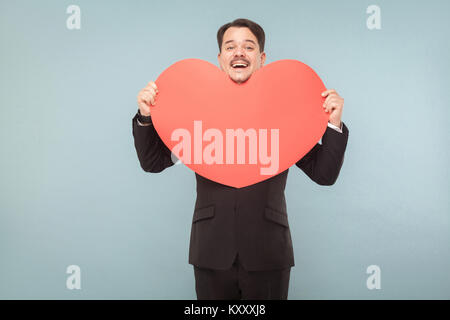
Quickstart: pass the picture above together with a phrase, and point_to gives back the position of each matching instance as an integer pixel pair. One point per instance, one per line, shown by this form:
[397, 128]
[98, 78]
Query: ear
[263, 58]
[218, 59]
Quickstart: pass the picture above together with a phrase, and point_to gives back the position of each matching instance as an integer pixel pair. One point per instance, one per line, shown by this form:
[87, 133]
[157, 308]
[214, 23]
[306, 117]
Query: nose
[239, 51]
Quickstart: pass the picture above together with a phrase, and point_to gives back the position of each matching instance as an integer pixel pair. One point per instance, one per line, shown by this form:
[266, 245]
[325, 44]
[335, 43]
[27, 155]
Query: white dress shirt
[332, 126]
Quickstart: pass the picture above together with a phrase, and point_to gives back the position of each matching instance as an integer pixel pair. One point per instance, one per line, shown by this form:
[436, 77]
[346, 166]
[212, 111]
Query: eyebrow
[244, 40]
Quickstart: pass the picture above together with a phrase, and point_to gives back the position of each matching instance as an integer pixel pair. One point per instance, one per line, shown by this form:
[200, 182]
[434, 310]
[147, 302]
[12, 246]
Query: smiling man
[240, 244]
[240, 53]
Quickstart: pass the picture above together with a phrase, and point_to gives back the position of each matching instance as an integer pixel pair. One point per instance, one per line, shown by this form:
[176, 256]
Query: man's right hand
[147, 97]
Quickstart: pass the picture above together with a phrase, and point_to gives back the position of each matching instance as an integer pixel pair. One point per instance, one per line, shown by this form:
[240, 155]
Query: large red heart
[284, 95]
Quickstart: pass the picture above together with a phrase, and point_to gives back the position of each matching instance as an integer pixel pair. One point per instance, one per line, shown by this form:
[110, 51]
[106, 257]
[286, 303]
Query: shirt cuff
[332, 126]
[141, 124]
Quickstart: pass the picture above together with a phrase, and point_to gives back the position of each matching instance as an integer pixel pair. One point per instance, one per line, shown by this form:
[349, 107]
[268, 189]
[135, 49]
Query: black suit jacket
[250, 221]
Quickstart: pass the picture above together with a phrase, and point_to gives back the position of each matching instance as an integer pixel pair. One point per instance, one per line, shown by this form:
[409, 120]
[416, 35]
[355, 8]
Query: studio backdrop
[80, 219]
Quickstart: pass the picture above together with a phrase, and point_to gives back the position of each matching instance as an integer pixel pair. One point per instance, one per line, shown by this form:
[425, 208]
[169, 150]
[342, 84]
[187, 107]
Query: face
[240, 55]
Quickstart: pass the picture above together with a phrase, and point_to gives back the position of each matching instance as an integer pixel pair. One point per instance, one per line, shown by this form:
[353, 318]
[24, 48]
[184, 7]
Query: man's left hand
[334, 104]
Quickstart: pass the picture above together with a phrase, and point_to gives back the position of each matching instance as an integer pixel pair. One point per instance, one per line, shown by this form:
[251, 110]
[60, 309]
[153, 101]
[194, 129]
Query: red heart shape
[282, 97]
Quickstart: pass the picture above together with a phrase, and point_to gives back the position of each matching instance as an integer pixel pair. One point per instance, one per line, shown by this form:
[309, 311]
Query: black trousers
[237, 283]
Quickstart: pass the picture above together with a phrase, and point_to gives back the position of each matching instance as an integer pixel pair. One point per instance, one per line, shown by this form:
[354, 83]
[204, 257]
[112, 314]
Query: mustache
[240, 59]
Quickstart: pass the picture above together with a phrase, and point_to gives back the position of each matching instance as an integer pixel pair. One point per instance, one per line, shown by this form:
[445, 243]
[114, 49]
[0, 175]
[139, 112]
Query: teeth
[239, 64]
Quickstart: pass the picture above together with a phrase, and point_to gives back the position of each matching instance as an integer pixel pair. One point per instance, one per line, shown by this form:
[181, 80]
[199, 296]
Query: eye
[229, 48]
[250, 48]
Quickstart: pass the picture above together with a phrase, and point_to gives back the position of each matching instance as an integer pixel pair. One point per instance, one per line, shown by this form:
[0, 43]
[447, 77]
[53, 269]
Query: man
[240, 244]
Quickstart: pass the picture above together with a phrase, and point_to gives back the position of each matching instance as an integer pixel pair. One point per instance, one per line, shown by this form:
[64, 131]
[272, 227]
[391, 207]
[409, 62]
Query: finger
[146, 97]
[150, 90]
[333, 99]
[145, 101]
[151, 99]
[150, 93]
[327, 92]
[152, 84]
[326, 103]
[328, 99]
[332, 95]
[333, 106]
[141, 96]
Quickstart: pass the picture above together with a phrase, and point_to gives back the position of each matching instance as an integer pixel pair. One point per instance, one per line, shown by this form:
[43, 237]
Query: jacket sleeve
[153, 154]
[324, 161]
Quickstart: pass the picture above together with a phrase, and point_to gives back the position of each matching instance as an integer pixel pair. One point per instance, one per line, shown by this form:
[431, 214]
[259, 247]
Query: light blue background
[73, 192]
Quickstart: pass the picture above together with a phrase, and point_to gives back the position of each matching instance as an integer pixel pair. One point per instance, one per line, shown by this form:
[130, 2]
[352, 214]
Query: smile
[239, 65]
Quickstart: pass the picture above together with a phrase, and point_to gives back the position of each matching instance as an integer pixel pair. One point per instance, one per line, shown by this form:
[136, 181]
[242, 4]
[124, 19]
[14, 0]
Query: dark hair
[253, 26]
